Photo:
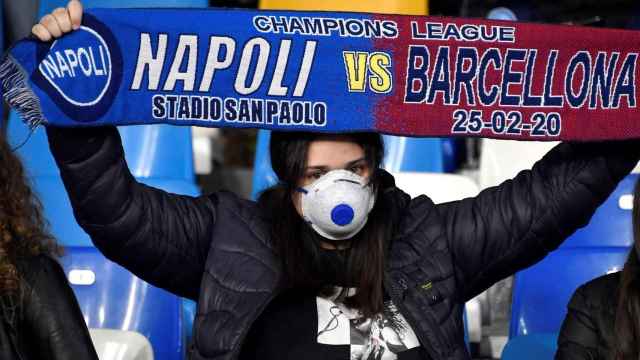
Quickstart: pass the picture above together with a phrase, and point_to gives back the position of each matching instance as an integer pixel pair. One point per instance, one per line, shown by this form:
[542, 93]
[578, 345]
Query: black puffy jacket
[216, 248]
[587, 332]
[44, 321]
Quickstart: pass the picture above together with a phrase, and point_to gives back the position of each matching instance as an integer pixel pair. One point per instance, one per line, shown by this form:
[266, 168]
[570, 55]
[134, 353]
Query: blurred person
[603, 319]
[334, 245]
[39, 315]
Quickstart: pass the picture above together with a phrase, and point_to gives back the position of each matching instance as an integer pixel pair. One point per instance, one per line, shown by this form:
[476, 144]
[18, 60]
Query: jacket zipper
[398, 300]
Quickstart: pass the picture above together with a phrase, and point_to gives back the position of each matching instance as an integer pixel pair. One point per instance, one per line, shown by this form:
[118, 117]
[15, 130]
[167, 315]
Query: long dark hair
[627, 321]
[298, 245]
[23, 229]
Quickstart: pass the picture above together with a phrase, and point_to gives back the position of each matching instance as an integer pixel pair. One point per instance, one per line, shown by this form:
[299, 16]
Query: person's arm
[578, 339]
[163, 238]
[53, 322]
[514, 225]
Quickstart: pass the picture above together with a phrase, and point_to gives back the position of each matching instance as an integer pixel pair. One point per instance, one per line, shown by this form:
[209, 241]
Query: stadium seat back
[111, 297]
[409, 154]
[611, 223]
[542, 292]
[531, 347]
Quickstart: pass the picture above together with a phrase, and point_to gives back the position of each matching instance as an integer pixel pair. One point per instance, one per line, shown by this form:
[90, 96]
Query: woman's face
[331, 153]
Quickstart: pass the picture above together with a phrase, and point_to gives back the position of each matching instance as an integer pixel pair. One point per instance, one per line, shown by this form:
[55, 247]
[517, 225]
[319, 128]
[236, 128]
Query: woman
[39, 315]
[334, 262]
[603, 319]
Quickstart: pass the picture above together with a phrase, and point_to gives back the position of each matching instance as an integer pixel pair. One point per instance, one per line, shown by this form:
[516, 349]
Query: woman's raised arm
[163, 238]
[514, 225]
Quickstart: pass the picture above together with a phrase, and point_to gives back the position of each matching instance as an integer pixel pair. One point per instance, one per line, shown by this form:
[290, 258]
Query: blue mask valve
[342, 215]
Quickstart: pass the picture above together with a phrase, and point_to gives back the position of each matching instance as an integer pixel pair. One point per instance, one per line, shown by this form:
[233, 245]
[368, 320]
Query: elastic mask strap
[301, 190]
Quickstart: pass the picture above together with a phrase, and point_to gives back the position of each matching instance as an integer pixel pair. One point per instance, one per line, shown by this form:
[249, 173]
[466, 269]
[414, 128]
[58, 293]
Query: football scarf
[330, 72]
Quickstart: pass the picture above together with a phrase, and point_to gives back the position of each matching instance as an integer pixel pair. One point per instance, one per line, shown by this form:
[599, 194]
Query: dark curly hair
[23, 229]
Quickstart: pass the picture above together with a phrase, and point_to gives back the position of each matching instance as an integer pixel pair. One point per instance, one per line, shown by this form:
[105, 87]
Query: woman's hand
[59, 22]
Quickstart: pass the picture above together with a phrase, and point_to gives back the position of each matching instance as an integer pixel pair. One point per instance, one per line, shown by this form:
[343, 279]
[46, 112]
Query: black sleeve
[52, 318]
[163, 238]
[578, 339]
[514, 225]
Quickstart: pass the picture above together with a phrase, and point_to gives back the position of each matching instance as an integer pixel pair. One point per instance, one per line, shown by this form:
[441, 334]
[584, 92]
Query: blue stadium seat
[611, 225]
[160, 156]
[407, 154]
[403, 154]
[541, 292]
[263, 175]
[119, 300]
[531, 347]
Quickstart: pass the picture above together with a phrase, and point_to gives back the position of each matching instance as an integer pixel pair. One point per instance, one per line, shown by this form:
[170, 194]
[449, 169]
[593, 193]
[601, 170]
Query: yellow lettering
[380, 80]
[355, 64]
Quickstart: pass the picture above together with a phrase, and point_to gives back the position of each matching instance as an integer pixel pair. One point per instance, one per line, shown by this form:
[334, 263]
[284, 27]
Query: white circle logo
[79, 66]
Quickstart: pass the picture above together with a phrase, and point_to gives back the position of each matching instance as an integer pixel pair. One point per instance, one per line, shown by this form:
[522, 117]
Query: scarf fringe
[17, 92]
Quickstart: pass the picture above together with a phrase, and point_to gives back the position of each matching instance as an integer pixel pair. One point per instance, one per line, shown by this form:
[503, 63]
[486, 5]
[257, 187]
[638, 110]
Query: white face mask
[337, 205]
